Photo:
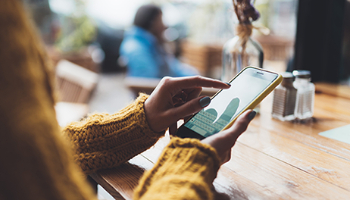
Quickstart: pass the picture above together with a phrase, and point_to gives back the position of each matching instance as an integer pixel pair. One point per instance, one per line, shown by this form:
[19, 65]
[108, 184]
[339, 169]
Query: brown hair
[145, 16]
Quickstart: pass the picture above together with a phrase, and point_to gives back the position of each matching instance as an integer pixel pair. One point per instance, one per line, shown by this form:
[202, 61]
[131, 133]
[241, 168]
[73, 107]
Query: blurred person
[143, 47]
[41, 161]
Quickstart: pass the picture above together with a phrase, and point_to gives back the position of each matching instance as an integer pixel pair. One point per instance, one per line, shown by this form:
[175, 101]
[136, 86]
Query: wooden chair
[74, 83]
[206, 58]
[82, 58]
[276, 48]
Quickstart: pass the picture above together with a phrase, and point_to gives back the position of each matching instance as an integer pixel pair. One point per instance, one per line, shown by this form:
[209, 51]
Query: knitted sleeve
[185, 170]
[104, 141]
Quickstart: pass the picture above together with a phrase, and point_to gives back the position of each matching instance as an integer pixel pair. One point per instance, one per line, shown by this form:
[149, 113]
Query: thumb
[240, 125]
[189, 108]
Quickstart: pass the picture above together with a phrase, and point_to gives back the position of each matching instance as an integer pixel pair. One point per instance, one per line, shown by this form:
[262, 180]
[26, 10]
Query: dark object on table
[110, 40]
[319, 39]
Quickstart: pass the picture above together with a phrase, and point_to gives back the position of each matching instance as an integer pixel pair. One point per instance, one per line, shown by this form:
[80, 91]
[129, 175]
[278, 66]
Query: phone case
[254, 103]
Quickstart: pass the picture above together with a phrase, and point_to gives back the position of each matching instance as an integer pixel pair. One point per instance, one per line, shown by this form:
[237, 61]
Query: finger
[178, 102]
[189, 108]
[182, 95]
[173, 129]
[193, 93]
[227, 156]
[240, 125]
[199, 81]
[181, 83]
[187, 118]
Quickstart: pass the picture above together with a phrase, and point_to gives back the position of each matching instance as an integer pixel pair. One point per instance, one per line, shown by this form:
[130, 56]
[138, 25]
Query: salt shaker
[284, 99]
[304, 106]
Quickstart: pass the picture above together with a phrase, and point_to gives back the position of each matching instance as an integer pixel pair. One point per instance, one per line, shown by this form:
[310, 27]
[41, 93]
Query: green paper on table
[341, 134]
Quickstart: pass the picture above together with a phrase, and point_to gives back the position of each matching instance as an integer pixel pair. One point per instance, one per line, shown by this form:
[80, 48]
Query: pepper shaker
[284, 99]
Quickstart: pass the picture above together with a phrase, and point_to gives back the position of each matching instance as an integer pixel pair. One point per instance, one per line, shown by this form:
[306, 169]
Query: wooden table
[272, 160]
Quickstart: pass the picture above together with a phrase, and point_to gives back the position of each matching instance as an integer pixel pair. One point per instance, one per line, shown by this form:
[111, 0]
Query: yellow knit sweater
[37, 162]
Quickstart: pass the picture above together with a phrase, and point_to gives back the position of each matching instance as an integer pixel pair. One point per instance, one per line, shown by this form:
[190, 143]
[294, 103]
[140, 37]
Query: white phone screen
[226, 105]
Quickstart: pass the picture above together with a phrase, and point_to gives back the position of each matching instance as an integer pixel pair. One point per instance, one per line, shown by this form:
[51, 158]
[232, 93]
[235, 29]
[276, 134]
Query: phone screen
[227, 104]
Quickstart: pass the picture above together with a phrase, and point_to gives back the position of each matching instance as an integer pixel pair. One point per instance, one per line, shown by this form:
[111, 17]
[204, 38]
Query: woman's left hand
[177, 98]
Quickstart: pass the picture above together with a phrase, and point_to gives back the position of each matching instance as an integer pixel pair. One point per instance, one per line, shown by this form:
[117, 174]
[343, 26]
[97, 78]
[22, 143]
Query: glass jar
[284, 99]
[304, 107]
[238, 54]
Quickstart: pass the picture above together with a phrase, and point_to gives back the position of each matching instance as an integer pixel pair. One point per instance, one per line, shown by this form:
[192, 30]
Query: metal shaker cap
[302, 73]
[287, 75]
[288, 78]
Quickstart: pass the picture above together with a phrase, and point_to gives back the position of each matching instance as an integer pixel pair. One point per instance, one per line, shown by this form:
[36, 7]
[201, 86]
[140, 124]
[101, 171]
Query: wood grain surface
[272, 160]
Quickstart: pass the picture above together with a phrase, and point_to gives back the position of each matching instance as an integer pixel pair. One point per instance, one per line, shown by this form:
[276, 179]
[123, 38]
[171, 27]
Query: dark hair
[145, 16]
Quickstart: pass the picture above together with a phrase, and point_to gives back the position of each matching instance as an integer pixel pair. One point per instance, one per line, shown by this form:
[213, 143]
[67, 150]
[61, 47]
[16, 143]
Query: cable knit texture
[105, 141]
[185, 170]
[37, 163]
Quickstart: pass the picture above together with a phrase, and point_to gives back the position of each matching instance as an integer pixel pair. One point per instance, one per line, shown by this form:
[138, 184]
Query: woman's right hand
[225, 140]
[177, 98]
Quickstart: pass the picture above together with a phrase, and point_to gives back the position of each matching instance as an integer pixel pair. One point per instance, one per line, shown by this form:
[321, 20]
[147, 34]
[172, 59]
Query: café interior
[281, 155]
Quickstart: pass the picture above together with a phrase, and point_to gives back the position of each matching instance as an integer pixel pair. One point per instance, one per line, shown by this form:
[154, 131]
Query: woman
[143, 50]
[36, 155]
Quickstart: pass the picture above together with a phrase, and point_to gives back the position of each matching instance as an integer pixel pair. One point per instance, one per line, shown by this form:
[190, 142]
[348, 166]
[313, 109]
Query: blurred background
[72, 26]
[78, 30]
[83, 39]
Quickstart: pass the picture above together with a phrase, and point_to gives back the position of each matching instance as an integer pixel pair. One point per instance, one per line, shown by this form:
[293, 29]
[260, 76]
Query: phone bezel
[185, 132]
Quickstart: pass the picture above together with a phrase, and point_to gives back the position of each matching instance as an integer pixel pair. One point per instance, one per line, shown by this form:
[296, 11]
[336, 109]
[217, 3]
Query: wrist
[142, 99]
[148, 115]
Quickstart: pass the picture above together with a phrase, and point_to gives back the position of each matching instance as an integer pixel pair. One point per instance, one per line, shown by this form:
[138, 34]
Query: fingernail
[204, 101]
[227, 83]
[251, 115]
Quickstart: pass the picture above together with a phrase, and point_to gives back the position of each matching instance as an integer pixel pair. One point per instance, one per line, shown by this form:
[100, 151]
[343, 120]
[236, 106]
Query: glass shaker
[284, 99]
[238, 53]
[304, 107]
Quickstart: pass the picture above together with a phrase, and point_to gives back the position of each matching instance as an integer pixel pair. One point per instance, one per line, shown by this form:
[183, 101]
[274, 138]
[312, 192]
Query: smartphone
[248, 89]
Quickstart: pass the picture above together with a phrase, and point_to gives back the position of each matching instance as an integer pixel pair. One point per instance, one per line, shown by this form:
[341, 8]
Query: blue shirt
[146, 58]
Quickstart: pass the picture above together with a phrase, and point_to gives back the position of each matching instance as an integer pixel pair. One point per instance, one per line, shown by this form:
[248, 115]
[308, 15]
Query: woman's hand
[177, 98]
[224, 141]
